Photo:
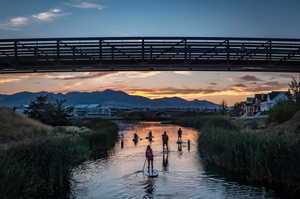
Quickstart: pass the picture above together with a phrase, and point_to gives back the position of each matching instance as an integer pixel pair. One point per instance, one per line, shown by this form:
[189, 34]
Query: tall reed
[270, 159]
[42, 168]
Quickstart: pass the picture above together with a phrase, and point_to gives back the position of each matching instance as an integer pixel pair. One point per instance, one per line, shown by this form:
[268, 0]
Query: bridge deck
[149, 53]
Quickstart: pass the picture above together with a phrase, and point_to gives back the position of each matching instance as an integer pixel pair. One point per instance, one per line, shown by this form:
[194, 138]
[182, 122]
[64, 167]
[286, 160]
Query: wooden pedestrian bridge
[149, 54]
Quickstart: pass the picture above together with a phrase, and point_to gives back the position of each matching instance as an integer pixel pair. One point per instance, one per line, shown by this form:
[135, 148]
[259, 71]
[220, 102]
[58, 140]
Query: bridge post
[228, 51]
[112, 52]
[73, 53]
[270, 50]
[16, 49]
[143, 49]
[190, 53]
[57, 50]
[35, 52]
[100, 49]
[151, 52]
[185, 50]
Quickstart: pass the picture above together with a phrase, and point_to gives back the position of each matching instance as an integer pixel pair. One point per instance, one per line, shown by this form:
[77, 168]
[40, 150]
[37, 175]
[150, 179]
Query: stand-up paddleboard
[179, 142]
[151, 174]
[165, 151]
[149, 137]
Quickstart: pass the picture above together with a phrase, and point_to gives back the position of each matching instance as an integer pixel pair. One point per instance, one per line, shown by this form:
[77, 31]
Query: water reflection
[149, 188]
[165, 162]
[181, 173]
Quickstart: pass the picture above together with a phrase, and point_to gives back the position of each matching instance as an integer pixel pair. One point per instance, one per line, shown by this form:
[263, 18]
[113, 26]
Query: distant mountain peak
[108, 96]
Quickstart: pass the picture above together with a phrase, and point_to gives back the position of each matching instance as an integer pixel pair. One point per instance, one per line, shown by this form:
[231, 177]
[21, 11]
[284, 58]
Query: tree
[237, 108]
[295, 88]
[224, 106]
[55, 114]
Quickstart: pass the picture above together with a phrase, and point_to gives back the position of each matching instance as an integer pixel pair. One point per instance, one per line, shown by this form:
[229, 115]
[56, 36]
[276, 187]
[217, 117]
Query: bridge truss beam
[149, 53]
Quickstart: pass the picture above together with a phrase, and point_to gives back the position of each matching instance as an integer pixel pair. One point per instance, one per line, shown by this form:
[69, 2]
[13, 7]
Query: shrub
[42, 168]
[206, 121]
[283, 111]
[266, 158]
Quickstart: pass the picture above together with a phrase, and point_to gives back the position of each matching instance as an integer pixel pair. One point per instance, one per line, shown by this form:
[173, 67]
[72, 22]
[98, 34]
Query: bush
[283, 111]
[206, 121]
[55, 114]
[262, 158]
[257, 157]
[41, 168]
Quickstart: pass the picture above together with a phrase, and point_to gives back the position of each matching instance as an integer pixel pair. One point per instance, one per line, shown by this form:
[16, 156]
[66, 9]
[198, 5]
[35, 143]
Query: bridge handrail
[153, 38]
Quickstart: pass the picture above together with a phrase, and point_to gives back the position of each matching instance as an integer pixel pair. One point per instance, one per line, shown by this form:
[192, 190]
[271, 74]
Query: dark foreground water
[181, 174]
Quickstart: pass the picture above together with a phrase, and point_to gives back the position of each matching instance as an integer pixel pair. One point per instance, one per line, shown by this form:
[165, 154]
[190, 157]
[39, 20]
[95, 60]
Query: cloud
[249, 78]
[240, 85]
[170, 91]
[88, 5]
[264, 87]
[142, 74]
[16, 23]
[288, 76]
[8, 80]
[213, 83]
[49, 15]
[88, 75]
[183, 72]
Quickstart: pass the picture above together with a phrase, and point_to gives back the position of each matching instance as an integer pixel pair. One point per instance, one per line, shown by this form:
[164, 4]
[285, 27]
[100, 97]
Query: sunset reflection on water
[181, 174]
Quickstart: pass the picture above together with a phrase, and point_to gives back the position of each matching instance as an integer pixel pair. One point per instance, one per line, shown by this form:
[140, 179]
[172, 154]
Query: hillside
[14, 127]
[107, 97]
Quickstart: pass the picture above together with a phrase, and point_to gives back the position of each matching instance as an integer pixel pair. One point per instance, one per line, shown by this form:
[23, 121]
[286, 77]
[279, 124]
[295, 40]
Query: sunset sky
[213, 86]
[77, 18]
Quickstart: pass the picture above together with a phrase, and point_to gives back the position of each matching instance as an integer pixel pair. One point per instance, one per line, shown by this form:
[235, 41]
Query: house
[261, 103]
[273, 98]
[91, 110]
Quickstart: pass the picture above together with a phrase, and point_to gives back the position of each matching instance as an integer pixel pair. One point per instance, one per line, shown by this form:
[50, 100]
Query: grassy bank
[41, 167]
[257, 157]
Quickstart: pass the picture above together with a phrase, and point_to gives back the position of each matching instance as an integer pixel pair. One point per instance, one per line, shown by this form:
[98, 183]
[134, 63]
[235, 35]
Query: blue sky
[80, 18]
[255, 18]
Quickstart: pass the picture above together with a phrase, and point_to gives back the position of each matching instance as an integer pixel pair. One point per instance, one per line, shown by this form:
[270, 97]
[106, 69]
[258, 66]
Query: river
[181, 173]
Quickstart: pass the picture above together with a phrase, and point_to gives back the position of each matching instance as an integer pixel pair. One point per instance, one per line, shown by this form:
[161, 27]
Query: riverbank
[256, 156]
[38, 162]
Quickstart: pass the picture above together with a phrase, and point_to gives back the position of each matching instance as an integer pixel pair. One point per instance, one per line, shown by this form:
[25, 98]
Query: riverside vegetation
[257, 156]
[36, 160]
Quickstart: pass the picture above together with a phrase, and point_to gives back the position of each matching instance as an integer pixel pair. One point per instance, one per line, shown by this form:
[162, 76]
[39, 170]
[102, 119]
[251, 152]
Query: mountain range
[106, 97]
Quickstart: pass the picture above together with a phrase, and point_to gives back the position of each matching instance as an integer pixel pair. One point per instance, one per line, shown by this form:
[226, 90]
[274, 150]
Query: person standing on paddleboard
[165, 139]
[135, 137]
[179, 134]
[149, 157]
[150, 136]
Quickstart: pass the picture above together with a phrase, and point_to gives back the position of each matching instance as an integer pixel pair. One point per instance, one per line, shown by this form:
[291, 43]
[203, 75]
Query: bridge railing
[46, 51]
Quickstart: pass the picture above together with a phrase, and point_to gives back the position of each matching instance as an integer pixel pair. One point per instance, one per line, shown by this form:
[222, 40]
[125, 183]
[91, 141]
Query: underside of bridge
[149, 54]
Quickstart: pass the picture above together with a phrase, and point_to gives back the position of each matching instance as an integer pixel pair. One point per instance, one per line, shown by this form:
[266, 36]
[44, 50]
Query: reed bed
[269, 159]
[42, 167]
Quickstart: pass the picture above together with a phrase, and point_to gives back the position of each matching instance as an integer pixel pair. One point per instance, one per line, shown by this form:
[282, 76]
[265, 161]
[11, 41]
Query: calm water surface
[181, 174]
